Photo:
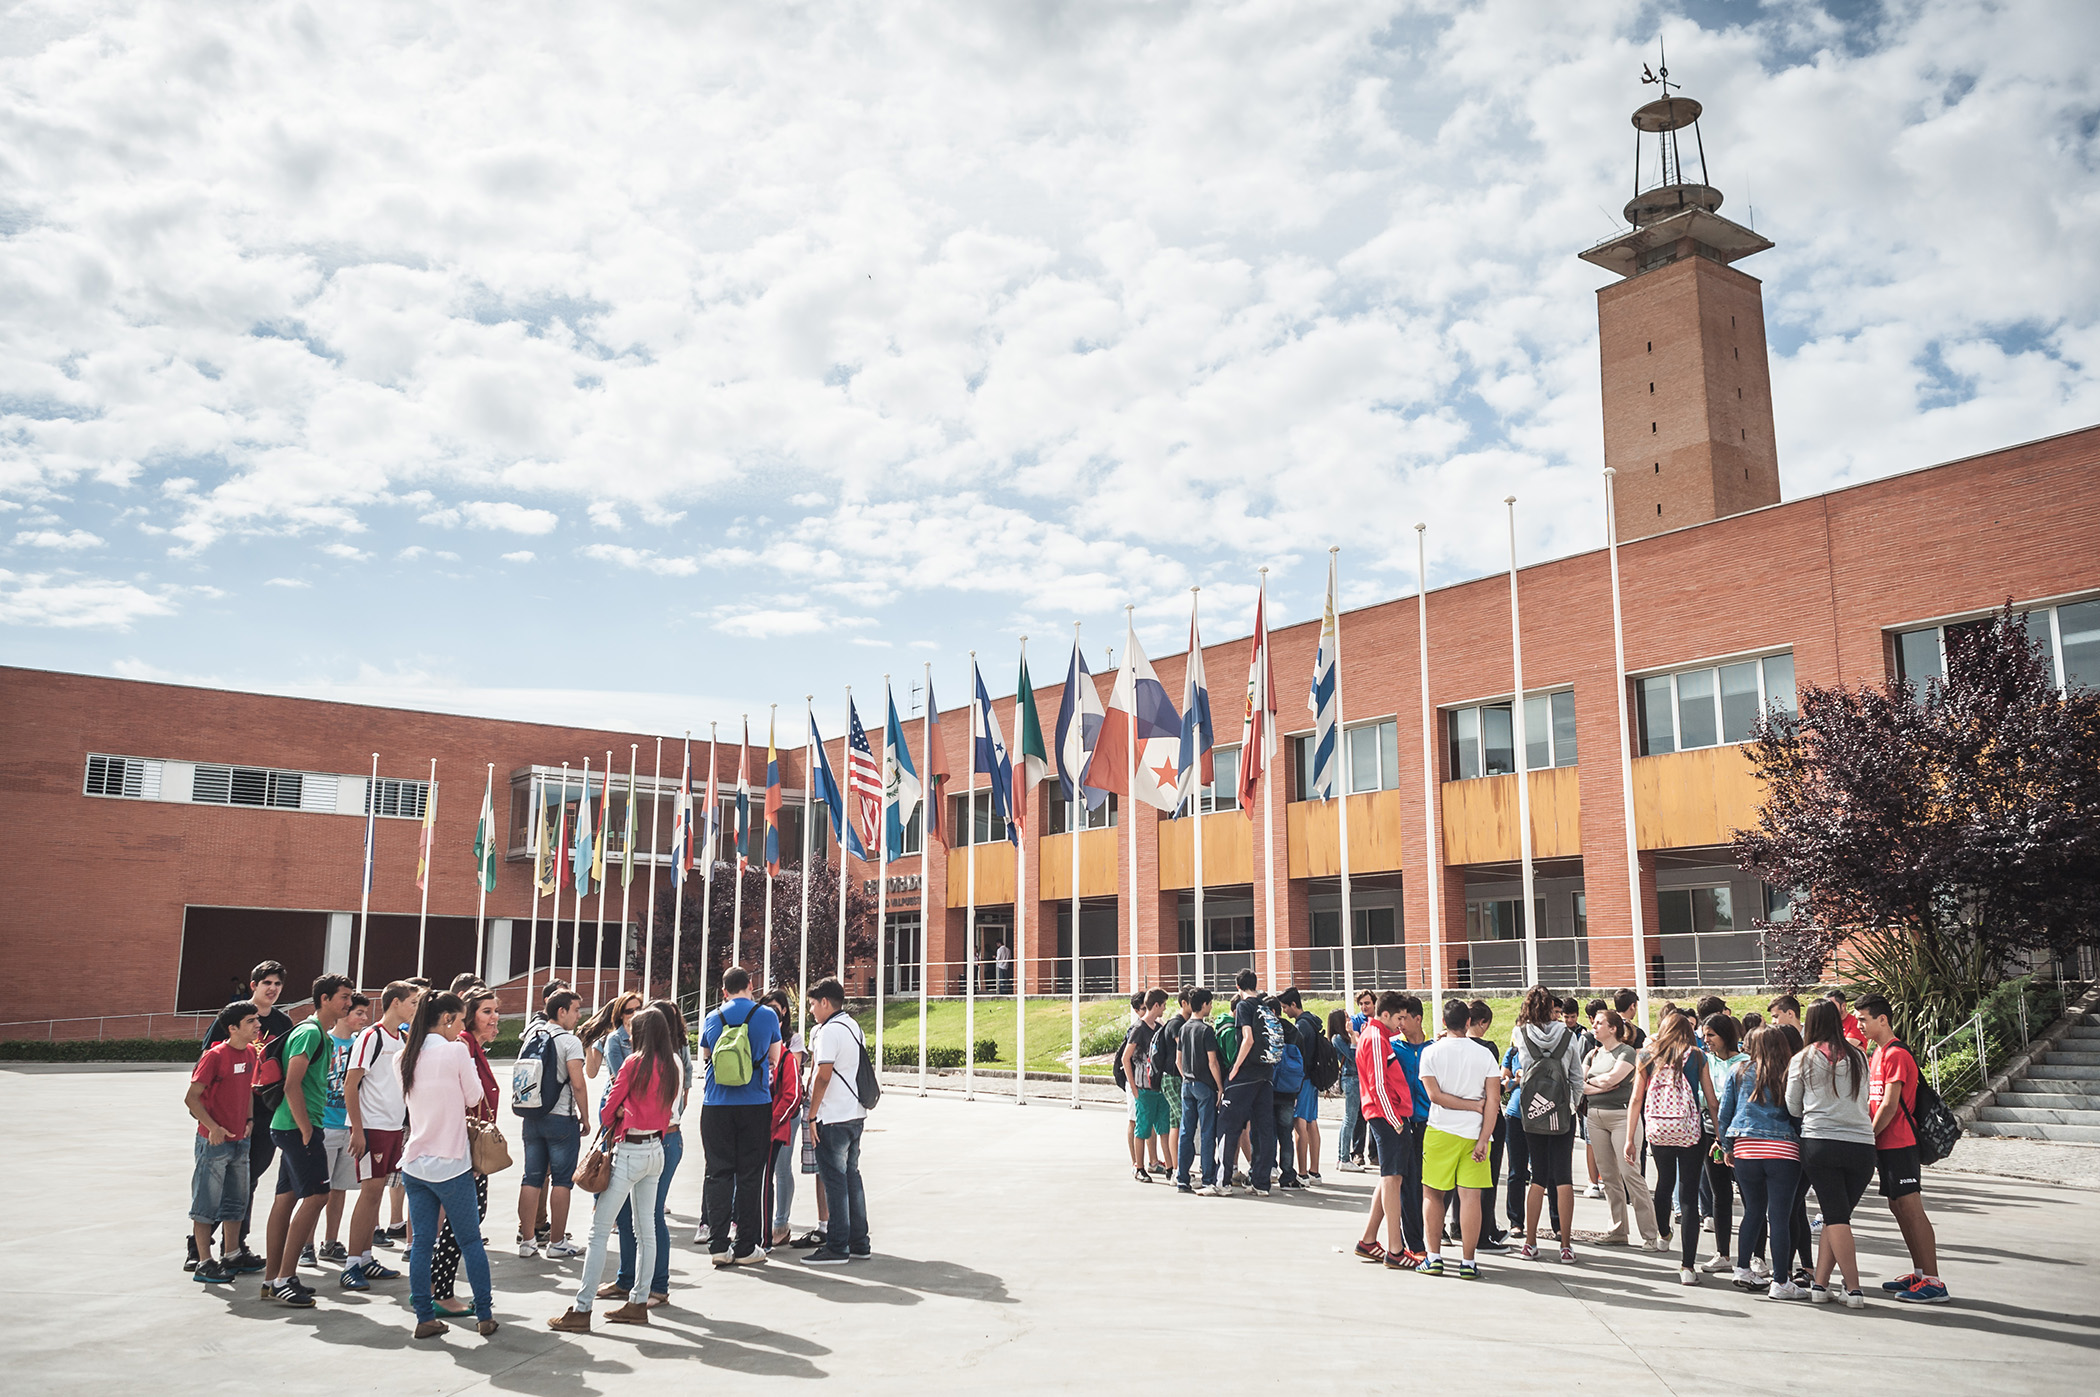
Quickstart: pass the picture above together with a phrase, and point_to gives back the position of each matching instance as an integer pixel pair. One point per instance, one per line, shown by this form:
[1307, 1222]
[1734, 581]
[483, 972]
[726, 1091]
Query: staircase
[2058, 1097]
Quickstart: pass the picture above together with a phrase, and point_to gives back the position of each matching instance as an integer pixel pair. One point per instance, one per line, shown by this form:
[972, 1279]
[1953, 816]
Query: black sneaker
[332, 1251]
[299, 1285]
[244, 1262]
[1494, 1244]
[306, 1255]
[212, 1271]
[189, 1262]
[381, 1240]
[1183, 1188]
[285, 1293]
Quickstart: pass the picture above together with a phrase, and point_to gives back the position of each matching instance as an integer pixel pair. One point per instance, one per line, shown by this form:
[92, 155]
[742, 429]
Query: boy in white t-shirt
[378, 1115]
[1464, 1082]
[836, 1116]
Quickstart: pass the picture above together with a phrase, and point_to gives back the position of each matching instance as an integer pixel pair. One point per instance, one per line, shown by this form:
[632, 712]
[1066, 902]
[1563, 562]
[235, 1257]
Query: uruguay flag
[1196, 735]
[1140, 714]
[1325, 699]
[988, 754]
[900, 784]
[1078, 733]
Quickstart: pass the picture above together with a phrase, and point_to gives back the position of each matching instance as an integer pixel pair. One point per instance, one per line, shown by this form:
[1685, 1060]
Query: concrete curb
[2037, 1049]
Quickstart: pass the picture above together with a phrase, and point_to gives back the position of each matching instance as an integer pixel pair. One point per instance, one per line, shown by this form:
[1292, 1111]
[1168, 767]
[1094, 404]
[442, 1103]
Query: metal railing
[109, 1026]
[1959, 1063]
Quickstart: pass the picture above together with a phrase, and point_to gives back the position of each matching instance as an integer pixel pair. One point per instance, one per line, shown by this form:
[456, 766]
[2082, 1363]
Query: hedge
[906, 1055]
[99, 1050]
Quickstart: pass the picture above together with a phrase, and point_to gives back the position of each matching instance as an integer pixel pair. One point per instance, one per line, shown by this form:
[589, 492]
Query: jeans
[455, 1196]
[1351, 1143]
[1283, 1112]
[444, 1265]
[784, 1158]
[261, 1150]
[1719, 1197]
[1199, 1118]
[1768, 1205]
[551, 1146]
[219, 1182]
[734, 1140]
[1250, 1104]
[838, 1169]
[1681, 1163]
[660, 1283]
[1411, 1183]
[637, 1170]
[1624, 1189]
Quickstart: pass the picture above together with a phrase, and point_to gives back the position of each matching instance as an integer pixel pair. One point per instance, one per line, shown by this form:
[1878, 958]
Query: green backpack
[731, 1059]
[1228, 1038]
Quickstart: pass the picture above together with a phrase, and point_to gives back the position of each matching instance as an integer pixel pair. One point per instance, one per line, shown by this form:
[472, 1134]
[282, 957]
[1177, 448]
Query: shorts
[1130, 1095]
[1552, 1159]
[382, 1154]
[302, 1170]
[1170, 1087]
[1151, 1113]
[551, 1147]
[1448, 1163]
[1902, 1171]
[1392, 1155]
[1308, 1107]
[1839, 1171]
[219, 1182]
[342, 1168]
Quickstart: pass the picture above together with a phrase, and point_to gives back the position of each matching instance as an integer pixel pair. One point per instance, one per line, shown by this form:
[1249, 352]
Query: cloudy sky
[648, 363]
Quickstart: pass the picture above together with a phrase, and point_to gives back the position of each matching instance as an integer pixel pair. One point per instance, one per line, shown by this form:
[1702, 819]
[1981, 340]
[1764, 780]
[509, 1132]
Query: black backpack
[1166, 1061]
[1931, 1123]
[1544, 1101]
[1325, 1068]
[1122, 1077]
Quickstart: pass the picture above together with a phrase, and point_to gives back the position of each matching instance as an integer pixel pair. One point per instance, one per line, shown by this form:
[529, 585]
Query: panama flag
[936, 767]
[1028, 737]
[772, 804]
[1139, 705]
[1197, 738]
[988, 754]
[682, 820]
[1079, 720]
[1325, 699]
[1258, 725]
[584, 841]
[743, 803]
[485, 839]
[900, 785]
[863, 789]
[827, 790]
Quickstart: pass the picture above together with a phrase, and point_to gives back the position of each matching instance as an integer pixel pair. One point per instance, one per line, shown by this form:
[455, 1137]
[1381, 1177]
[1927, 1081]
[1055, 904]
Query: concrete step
[2032, 1096]
[2062, 1134]
[2053, 1071]
[2024, 1114]
[2075, 1055]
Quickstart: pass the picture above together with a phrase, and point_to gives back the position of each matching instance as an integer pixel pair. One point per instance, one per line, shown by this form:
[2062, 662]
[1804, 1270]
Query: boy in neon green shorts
[1464, 1084]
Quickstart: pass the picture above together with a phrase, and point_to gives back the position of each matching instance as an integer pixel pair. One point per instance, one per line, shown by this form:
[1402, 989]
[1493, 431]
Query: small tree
[787, 926]
[1934, 838]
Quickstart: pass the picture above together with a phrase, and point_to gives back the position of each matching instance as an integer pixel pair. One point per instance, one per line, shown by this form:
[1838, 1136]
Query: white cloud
[345, 551]
[505, 515]
[644, 559]
[69, 601]
[287, 582]
[604, 515]
[769, 623]
[72, 541]
[523, 555]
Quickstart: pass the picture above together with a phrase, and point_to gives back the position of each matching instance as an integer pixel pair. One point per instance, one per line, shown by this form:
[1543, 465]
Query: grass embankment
[1100, 1027]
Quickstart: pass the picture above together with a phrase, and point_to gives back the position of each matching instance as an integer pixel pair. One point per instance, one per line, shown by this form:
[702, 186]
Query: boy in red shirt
[221, 1098]
[1387, 1107]
[1892, 1099]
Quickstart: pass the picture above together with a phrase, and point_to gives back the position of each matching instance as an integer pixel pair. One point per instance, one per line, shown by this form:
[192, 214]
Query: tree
[1934, 838]
[787, 926]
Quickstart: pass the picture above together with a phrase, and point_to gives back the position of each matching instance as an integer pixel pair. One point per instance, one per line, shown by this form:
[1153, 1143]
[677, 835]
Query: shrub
[1102, 1039]
[906, 1055]
[100, 1050]
[987, 1050]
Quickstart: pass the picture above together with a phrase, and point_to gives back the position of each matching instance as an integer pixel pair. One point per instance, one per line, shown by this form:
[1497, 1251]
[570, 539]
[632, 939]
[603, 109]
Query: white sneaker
[1817, 1294]
[1761, 1268]
[1855, 1300]
[1718, 1266]
[1594, 1191]
[1348, 1166]
[700, 1235]
[1745, 1277]
[526, 1247]
[1787, 1290]
[1815, 1225]
[1687, 1276]
[564, 1248]
[1655, 1244]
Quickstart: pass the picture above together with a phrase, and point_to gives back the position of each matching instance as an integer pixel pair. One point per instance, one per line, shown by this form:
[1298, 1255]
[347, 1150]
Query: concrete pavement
[1014, 1253]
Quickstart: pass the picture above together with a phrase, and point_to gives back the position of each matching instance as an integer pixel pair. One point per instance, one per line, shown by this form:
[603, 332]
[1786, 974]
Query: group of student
[353, 1102]
[1771, 1107]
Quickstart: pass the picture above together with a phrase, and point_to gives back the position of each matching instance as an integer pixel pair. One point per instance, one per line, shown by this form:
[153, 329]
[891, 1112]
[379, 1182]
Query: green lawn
[1050, 1025]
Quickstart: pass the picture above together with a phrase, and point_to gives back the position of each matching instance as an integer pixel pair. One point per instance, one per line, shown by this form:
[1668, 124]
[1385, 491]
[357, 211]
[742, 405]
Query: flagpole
[970, 916]
[1130, 788]
[601, 834]
[481, 910]
[681, 859]
[656, 819]
[1196, 795]
[927, 794]
[1020, 902]
[539, 851]
[1072, 829]
[627, 867]
[1267, 725]
[846, 806]
[1430, 813]
[560, 851]
[1522, 761]
[772, 758]
[710, 836]
[743, 844]
[583, 809]
[364, 905]
[1341, 776]
[809, 805]
[423, 861]
[1636, 912]
[882, 892]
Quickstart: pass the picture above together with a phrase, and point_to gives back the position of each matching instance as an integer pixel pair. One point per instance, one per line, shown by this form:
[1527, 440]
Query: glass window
[1582, 914]
[1465, 744]
[1739, 707]
[1708, 706]
[1538, 734]
[1223, 793]
[1695, 709]
[1658, 722]
[1483, 740]
[1564, 728]
[1685, 910]
[1389, 755]
[1363, 759]
[1375, 926]
[1100, 817]
[2078, 632]
[1779, 684]
[1498, 740]
[1918, 657]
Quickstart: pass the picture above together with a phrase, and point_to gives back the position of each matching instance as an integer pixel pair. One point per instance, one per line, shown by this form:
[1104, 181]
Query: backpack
[1228, 1039]
[1166, 1061]
[730, 1060]
[1144, 1067]
[1672, 1108]
[1325, 1069]
[1931, 1123]
[867, 1087]
[1542, 1099]
[536, 1082]
[1289, 1075]
[269, 1075]
[1272, 1040]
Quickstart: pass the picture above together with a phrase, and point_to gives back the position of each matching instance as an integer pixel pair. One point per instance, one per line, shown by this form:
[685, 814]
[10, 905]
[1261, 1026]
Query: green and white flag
[485, 838]
[627, 839]
[1034, 763]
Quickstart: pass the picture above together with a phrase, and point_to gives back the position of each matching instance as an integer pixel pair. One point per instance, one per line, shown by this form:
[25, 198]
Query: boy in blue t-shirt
[736, 1125]
[335, 1129]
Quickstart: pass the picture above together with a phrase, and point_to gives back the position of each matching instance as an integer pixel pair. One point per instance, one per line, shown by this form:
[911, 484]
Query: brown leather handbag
[595, 1173]
[487, 1150]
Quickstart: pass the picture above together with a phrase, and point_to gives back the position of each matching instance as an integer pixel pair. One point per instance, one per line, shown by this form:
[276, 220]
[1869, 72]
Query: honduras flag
[900, 784]
[1196, 735]
[988, 754]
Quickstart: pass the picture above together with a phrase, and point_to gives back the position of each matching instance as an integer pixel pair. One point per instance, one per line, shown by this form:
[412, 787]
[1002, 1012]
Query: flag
[743, 803]
[627, 834]
[772, 804]
[863, 789]
[585, 842]
[936, 768]
[827, 790]
[560, 851]
[604, 824]
[485, 839]
[430, 810]
[988, 754]
[682, 821]
[1139, 705]
[1028, 738]
[900, 785]
[710, 827]
[1258, 726]
[1197, 738]
[1078, 733]
[544, 863]
[1324, 700]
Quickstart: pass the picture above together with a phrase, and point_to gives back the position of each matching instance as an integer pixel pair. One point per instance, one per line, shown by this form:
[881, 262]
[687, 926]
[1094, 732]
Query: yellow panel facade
[1312, 829]
[1683, 800]
[995, 875]
[1228, 851]
[1097, 864]
[1480, 817]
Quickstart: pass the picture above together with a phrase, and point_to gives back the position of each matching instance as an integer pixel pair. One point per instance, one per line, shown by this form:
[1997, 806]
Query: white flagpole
[970, 915]
[656, 816]
[1522, 761]
[926, 798]
[743, 766]
[561, 828]
[1341, 776]
[1266, 725]
[1636, 914]
[627, 833]
[1130, 787]
[1430, 813]
[481, 911]
[364, 905]
[1072, 829]
[681, 859]
[882, 892]
[809, 810]
[707, 874]
[539, 841]
[1196, 794]
[841, 832]
[604, 836]
[428, 838]
[1014, 798]
[583, 805]
[765, 957]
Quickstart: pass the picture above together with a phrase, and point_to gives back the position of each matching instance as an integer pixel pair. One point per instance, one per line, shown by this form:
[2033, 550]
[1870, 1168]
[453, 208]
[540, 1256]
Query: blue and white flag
[682, 820]
[1079, 719]
[1325, 700]
[1197, 738]
[988, 754]
[584, 848]
[900, 784]
[827, 790]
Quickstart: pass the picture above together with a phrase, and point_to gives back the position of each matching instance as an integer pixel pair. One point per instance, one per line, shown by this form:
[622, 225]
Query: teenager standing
[440, 1086]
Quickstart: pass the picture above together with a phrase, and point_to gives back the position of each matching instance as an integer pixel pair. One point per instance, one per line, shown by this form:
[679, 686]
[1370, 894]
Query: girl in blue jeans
[1764, 1145]
[674, 1151]
[441, 1085]
[1349, 1152]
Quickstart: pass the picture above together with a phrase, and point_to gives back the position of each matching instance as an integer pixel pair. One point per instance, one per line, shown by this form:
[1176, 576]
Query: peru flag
[1139, 705]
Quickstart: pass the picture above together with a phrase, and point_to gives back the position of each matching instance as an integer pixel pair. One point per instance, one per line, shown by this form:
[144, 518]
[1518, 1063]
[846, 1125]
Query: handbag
[594, 1175]
[487, 1150]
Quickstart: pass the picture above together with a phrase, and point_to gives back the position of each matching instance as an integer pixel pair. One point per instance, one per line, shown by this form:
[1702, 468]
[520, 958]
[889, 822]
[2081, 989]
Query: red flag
[1258, 730]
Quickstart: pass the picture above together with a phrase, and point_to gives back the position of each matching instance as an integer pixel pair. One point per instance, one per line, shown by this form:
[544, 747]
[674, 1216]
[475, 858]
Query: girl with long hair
[787, 1109]
[605, 1038]
[637, 1113]
[1723, 1038]
[1673, 1094]
[1825, 1090]
[1608, 1083]
[440, 1085]
[1765, 1149]
[674, 1150]
[1541, 1037]
[483, 1019]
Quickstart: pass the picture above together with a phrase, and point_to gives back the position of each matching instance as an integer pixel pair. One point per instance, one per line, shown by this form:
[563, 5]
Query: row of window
[1713, 704]
[2068, 635]
[269, 788]
[1483, 740]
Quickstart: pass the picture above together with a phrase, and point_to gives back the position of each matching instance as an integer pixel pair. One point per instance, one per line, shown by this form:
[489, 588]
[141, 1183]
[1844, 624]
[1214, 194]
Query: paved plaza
[1013, 1253]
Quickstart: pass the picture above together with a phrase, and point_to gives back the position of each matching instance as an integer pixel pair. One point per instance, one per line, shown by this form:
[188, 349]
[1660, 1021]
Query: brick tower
[1687, 387]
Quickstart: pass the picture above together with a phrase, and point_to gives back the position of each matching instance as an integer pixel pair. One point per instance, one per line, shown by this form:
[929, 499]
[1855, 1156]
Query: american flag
[863, 780]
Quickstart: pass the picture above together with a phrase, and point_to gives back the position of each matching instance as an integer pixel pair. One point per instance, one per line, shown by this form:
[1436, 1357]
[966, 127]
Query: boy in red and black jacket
[1388, 1105]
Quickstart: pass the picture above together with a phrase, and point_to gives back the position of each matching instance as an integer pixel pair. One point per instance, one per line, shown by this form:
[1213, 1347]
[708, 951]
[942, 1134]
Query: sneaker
[1431, 1266]
[1497, 1245]
[307, 1257]
[1370, 1251]
[399, 1231]
[1803, 1277]
[1760, 1268]
[1815, 1225]
[1594, 1191]
[1312, 1178]
[1655, 1244]
[1528, 1252]
[286, 1294]
[1293, 1182]
[244, 1262]
[1687, 1276]
[1469, 1270]
[752, 1258]
[332, 1251]
[867, 1255]
[297, 1284]
[1141, 1176]
[822, 1256]
[526, 1247]
[353, 1278]
[1402, 1261]
[700, 1235]
[1786, 1290]
[376, 1271]
[1855, 1300]
[1904, 1282]
[1259, 1192]
[564, 1248]
[381, 1240]
[1817, 1294]
[189, 1260]
[1212, 1191]
[1183, 1188]
[722, 1258]
[1925, 1292]
[1348, 1166]
[212, 1271]
[1746, 1279]
[1567, 1256]
[1719, 1265]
